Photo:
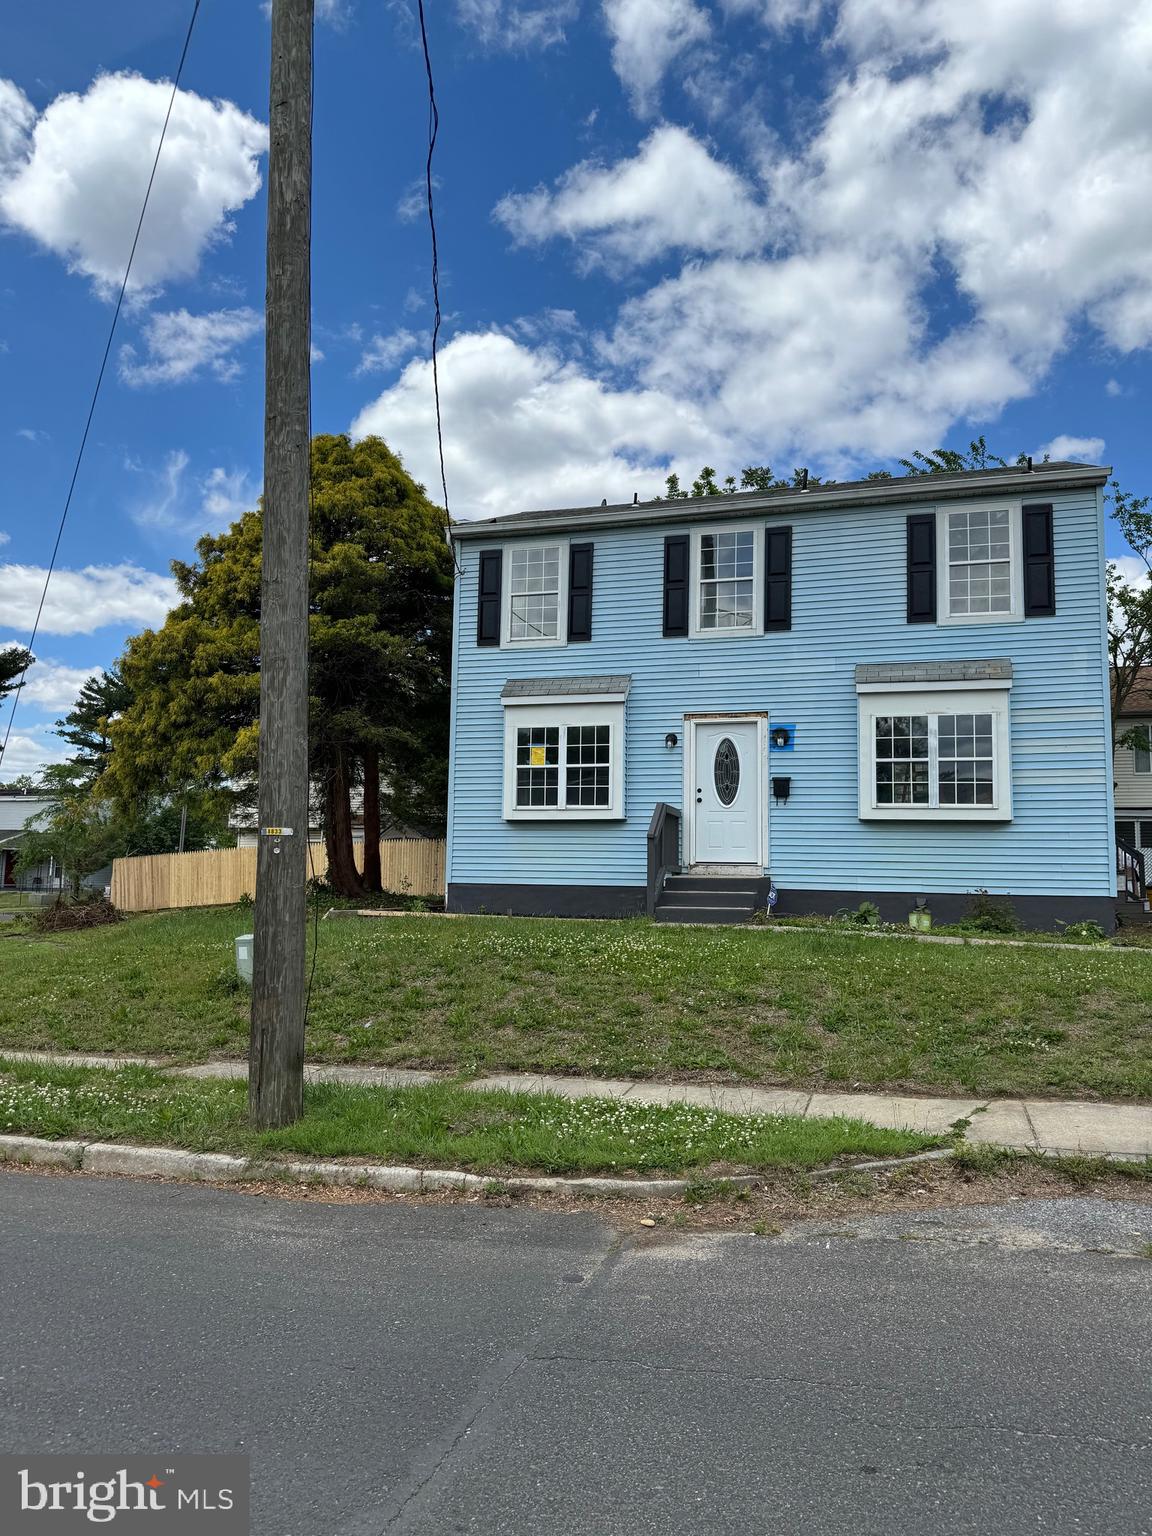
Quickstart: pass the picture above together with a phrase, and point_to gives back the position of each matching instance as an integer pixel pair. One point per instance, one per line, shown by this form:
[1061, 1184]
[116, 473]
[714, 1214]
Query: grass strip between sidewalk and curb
[434, 1125]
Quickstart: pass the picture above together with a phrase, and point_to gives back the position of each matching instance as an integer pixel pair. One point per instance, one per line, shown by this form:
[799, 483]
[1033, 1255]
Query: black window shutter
[922, 568]
[676, 584]
[1039, 564]
[488, 599]
[580, 591]
[778, 579]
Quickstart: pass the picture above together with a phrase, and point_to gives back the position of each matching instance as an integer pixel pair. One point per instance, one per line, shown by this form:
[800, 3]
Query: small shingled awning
[540, 689]
[998, 669]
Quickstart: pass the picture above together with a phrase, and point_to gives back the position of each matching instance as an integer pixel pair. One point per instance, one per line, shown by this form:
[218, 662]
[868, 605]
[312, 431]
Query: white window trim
[506, 596]
[521, 713]
[989, 699]
[1015, 564]
[757, 625]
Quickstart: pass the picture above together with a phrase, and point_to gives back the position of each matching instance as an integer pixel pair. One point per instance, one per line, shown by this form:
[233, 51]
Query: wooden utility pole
[276, 1053]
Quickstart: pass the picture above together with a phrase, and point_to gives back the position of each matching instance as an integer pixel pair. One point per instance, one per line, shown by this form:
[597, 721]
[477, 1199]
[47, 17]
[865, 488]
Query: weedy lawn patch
[623, 999]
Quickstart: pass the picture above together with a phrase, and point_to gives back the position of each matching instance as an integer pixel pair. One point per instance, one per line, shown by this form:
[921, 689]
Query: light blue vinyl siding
[848, 608]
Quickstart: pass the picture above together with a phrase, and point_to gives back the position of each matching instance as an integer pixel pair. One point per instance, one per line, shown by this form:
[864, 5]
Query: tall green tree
[380, 643]
[86, 725]
[14, 662]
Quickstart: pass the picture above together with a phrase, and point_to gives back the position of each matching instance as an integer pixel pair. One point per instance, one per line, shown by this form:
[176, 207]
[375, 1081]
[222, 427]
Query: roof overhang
[917, 490]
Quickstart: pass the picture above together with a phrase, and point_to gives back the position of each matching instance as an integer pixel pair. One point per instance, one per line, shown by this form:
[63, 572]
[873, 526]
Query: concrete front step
[703, 914]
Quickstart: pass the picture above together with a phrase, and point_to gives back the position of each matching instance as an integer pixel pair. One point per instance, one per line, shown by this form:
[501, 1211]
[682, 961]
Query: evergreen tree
[380, 638]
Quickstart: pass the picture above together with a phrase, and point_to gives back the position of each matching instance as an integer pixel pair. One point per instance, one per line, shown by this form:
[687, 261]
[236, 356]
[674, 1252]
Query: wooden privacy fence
[408, 866]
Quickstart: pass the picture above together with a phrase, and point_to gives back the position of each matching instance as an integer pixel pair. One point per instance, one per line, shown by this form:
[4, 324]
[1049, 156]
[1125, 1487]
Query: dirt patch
[764, 1212]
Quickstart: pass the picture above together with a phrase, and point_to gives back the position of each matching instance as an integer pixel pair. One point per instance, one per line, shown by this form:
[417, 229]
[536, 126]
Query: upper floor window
[727, 568]
[979, 572]
[536, 584]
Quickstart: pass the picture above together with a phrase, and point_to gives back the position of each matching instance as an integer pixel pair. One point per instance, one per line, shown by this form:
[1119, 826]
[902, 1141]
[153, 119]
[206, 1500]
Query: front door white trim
[691, 723]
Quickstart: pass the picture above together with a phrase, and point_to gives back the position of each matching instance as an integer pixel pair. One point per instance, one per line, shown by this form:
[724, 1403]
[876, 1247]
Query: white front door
[725, 792]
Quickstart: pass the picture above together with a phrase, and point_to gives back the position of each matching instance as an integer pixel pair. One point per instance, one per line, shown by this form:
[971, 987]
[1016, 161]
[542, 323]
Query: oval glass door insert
[726, 771]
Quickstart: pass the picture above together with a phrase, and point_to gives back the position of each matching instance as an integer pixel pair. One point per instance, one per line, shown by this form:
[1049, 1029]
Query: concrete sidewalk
[1065, 1126]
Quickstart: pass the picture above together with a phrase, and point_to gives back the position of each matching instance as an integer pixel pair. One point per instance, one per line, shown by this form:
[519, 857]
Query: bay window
[927, 755]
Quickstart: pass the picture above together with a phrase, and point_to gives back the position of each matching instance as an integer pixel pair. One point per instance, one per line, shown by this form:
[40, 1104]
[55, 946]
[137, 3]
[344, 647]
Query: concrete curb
[194, 1167]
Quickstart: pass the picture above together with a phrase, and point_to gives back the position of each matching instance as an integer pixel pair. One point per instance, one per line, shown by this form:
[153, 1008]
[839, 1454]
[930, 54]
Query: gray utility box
[244, 957]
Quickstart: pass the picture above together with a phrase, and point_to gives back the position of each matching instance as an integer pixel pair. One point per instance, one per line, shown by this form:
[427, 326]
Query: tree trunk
[372, 820]
[343, 876]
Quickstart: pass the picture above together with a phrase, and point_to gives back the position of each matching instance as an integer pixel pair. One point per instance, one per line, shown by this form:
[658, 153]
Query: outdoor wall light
[671, 740]
[781, 736]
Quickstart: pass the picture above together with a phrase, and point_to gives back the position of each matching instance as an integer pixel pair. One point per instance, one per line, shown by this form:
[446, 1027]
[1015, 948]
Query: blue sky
[672, 232]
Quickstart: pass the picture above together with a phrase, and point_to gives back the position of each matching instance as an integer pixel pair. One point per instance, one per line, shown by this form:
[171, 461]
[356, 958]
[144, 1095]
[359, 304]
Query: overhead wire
[437, 316]
[99, 382]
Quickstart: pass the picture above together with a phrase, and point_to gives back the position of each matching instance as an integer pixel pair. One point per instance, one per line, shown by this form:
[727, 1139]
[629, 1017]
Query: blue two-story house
[892, 690]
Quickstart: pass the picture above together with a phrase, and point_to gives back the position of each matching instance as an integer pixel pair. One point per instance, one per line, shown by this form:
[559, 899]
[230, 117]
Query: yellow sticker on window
[538, 758]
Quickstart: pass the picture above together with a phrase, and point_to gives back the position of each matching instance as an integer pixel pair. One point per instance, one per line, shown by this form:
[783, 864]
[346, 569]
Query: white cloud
[777, 14]
[28, 754]
[384, 352]
[33, 434]
[524, 428]
[517, 25]
[75, 178]
[82, 601]
[1063, 447]
[162, 507]
[181, 346]
[647, 36]
[1132, 571]
[4, 537]
[226, 494]
[315, 355]
[17, 115]
[671, 195]
[207, 504]
[1114, 388]
[413, 203]
[53, 685]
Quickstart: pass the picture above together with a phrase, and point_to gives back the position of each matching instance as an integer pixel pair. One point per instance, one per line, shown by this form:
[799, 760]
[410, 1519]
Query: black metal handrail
[1130, 866]
[663, 850]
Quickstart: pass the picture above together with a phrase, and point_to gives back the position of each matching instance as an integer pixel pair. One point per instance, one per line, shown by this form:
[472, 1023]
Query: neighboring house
[883, 690]
[17, 809]
[1133, 769]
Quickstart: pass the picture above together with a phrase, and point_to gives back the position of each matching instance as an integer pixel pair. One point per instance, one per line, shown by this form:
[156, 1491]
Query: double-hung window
[979, 567]
[564, 761]
[536, 594]
[935, 755]
[727, 563]
[1142, 749]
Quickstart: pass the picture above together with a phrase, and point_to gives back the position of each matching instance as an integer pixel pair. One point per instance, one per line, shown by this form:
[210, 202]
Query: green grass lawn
[611, 999]
[441, 1125]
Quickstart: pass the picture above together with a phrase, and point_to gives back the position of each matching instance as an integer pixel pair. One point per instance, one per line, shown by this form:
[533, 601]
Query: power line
[433, 133]
[100, 378]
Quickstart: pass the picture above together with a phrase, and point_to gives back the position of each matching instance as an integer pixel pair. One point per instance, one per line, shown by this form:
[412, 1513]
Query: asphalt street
[457, 1369]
